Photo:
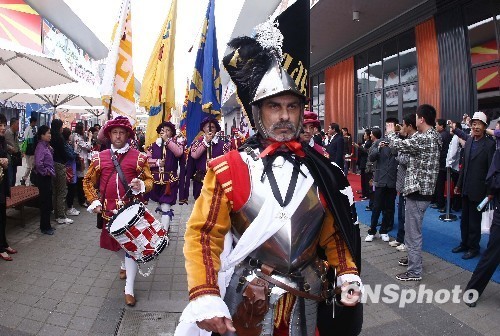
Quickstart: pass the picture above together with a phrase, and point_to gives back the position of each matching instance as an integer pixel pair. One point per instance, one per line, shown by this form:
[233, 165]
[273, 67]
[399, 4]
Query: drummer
[163, 159]
[116, 171]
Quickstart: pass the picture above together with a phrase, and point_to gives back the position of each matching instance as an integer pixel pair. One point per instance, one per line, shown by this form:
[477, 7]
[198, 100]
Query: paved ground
[66, 285]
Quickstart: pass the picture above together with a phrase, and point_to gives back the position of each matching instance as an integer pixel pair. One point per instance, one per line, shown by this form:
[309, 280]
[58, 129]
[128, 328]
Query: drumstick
[130, 188]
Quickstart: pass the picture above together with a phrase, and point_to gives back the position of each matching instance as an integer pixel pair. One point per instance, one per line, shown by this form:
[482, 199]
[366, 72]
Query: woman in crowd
[44, 168]
[362, 160]
[5, 249]
[59, 187]
[82, 147]
[70, 173]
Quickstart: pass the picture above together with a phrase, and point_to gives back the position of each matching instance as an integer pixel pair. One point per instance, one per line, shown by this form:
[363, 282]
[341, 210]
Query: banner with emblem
[205, 88]
[117, 88]
[157, 91]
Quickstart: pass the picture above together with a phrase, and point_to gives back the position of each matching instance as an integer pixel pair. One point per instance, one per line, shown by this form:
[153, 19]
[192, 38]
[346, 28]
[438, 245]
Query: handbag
[487, 218]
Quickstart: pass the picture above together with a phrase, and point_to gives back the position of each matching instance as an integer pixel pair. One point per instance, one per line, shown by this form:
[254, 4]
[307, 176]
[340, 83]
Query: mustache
[284, 124]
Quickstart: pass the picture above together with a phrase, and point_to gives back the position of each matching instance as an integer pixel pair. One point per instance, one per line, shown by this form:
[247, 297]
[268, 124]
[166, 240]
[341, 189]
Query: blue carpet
[439, 237]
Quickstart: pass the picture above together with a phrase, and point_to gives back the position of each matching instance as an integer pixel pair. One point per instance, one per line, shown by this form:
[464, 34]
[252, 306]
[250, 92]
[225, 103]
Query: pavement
[66, 285]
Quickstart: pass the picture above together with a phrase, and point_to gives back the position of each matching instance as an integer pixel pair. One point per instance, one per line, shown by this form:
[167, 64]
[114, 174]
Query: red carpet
[355, 181]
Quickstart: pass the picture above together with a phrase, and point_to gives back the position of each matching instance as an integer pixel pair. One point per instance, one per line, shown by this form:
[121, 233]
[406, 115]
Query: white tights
[131, 270]
[165, 219]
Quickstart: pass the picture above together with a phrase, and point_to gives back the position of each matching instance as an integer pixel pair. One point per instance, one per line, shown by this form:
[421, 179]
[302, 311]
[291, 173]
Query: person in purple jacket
[204, 148]
[163, 159]
[44, 167]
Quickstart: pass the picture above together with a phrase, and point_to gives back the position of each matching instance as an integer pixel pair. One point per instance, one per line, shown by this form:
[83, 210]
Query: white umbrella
[74, 94]
[23, 68]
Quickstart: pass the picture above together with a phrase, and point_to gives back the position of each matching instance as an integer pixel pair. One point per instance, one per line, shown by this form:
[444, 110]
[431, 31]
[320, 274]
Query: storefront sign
[58, 45]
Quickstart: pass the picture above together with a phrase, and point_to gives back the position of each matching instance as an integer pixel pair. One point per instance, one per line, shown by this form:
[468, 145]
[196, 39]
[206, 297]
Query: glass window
[408, 58]
[375, 68]
[391, 103]
[483, 41]
[363, 121]
[362, 73]
[410, 99]
[376, 109]
[391, 66]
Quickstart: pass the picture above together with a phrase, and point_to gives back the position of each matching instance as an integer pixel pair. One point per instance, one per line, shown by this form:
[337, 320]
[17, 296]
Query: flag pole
[110, 115]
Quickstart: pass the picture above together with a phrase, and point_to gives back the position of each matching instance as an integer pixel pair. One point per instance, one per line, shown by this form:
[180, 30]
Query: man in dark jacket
[384, 181]
[335, 148]
[479, 150]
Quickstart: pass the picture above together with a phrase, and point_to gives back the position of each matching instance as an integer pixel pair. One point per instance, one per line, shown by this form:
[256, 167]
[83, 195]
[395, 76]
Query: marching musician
[163, 158]
[268, 215]
[309, 126]
[237, 139]
[206, 147]
[115, 172]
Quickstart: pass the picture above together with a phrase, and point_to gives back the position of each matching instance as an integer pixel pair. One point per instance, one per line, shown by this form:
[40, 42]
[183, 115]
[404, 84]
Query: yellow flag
[157, 91]
[118, 81]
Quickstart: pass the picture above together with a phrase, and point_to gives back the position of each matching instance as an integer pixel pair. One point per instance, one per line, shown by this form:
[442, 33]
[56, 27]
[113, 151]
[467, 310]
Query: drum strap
[119, 170]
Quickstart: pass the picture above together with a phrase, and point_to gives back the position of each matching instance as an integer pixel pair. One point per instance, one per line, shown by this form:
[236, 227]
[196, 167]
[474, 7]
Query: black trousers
[365, 186]
[45, 189]
[488, 263]
[70, 196]
[470, 225]
[439, 191]
[384, 200]
[3, 224]
[79, 191]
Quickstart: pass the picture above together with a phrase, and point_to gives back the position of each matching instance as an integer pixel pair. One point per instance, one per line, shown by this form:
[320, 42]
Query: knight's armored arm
[204, 238]
[336, 250]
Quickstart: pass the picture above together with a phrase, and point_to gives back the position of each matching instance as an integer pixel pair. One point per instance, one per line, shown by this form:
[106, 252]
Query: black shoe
[23, 182]
[368, 208]
[403, 261]
[442, 210]
[49, 232]
[459, 248]
[470, 255]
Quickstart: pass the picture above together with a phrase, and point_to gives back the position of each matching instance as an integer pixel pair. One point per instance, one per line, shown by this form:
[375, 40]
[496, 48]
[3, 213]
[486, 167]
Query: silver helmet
[255, 68]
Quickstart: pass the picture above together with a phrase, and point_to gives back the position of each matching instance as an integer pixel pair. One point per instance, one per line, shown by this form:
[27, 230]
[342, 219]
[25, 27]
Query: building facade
[440, 52]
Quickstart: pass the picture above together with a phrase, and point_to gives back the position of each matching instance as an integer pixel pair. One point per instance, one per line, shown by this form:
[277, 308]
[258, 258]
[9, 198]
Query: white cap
[480, 116]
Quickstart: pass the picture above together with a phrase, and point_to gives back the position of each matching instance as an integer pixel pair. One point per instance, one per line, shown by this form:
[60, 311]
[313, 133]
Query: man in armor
[163, 159]
[268, 216]
[115, 171]
[203, 149]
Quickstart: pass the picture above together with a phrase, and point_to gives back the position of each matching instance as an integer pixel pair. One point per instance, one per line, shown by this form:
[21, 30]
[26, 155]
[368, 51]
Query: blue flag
[205, 88]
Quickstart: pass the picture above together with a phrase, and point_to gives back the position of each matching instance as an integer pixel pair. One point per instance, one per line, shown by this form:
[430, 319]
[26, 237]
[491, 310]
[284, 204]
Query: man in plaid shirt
[420, 182]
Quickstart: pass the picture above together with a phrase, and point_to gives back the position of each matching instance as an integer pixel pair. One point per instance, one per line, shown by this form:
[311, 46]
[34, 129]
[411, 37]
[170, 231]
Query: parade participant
[309, 126]
[237, 139]
[184, 183]
[265, 213]
[163, 158]
[114, 171]
[204, 148]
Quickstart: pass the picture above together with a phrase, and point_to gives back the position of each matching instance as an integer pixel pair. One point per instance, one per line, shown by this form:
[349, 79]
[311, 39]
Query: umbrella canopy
[22, 68]
[74, 94]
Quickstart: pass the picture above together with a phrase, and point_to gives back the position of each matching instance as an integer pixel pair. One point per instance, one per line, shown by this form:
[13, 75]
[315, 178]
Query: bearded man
[252, 241]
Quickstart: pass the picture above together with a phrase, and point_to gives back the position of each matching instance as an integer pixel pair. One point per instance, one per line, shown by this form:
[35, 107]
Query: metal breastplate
[294, 245]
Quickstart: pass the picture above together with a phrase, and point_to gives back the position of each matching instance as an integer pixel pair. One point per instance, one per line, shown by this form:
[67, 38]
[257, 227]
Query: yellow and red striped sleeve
[336, 250]
[204, 238]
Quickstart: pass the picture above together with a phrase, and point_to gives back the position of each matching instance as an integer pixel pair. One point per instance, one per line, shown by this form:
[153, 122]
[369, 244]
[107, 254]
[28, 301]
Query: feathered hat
[255, 68]
[119, 121]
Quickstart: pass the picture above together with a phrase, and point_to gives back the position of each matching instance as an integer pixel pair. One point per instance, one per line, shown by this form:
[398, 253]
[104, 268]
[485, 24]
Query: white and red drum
[138, 232]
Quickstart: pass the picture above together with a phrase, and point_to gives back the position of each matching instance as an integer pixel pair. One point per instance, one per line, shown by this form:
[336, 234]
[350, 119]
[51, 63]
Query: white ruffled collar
[122, 150]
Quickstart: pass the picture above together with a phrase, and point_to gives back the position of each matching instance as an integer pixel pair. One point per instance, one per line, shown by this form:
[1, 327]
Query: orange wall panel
[428, 65]
[339, 94]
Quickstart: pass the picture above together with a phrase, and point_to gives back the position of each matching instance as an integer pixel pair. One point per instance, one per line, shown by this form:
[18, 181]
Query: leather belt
[289, 289]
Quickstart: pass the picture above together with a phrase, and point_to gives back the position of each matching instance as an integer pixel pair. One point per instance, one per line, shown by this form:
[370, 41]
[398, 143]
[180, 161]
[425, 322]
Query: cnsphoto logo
[393, 293]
